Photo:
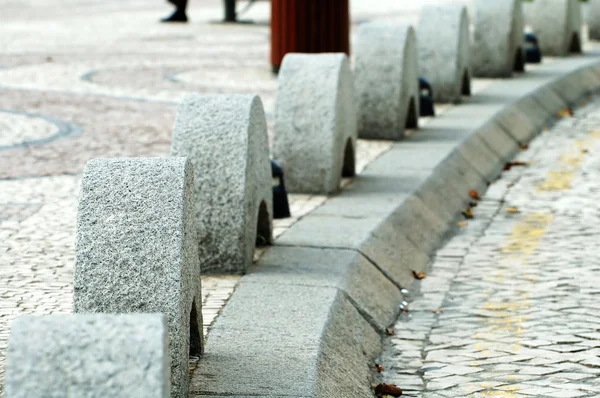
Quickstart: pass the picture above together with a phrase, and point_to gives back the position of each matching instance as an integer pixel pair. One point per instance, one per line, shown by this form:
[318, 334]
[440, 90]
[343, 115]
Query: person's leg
[179, 15]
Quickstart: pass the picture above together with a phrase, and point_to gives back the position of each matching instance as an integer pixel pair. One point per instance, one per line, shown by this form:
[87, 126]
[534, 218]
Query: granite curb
[308, 319]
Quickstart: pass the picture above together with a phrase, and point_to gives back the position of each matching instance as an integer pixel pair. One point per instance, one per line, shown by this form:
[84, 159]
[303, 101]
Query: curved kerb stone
[386, 80]
[92, 356]
[137, 251]
[225, 137]
[444, 51]
[557, 23]
[593, 19]
[498, 42]
[315, 122]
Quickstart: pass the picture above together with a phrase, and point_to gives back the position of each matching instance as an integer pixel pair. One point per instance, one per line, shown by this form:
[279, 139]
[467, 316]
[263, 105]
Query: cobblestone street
[510, 306]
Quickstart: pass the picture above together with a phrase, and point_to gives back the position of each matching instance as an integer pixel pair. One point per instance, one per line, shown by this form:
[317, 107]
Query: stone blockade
[137, 251]
[498, 42]
[593, 19]
[387, 80]
[557, 23]
[315, 122]
[444, 51]
[225, 138]
[88, 356]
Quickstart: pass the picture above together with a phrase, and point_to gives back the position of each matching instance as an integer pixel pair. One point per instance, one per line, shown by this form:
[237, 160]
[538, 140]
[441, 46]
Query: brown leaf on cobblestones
[473, 204]
[516, 163]
[474, 194]
[524, 147]
[567, 112]
[419, 275]
[379, 368]
[389, 331]
[463, 224]
[468, 214]
[388, 389]
[512, 210]
[437, 311]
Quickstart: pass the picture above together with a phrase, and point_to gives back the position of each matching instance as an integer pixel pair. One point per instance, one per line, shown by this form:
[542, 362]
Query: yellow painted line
[521, 244]
[570, 161]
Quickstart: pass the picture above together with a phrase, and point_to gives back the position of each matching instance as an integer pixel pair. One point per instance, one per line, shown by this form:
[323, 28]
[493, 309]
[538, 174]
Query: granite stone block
[498, 41]
[315, 122]
[88, 356]
[557, 23]
[444, 51]
[137, 251]
[386, 80]
[225, 138]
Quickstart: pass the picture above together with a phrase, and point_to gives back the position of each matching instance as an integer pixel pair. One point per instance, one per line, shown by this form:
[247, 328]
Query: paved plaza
[509, 308]
[85, 79]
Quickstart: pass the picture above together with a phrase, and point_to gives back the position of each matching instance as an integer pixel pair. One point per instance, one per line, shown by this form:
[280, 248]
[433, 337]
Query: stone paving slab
[508, 309]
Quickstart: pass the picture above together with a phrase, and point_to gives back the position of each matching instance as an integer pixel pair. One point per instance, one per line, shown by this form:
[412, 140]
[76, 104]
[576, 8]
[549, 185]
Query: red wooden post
[309, 26]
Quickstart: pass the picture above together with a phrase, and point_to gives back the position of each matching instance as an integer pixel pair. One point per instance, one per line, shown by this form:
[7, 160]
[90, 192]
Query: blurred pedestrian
[179, 15]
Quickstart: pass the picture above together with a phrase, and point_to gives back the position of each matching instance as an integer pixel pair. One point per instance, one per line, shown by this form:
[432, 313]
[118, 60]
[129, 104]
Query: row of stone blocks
[147, 226]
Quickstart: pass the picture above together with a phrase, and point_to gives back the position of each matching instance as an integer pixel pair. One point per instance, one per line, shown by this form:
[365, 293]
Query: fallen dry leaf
[468, 214]
[516, 163]
[473, 204]
[474, 194]
[585, 150]
[388, 389]
[419, 275]
[512, 210]
[567, 112]
[437, 311]
[379, 368]
[463, 224]
[389, 331]
[524, 147]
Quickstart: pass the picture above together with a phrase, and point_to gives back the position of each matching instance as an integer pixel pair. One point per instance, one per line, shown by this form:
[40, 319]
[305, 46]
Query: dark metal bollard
[309, 26]
[230, 14]
[533, 53]
[426, 98]
[281, 206]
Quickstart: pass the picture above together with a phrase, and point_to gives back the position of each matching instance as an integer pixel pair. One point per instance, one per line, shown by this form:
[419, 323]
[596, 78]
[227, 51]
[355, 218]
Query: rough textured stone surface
[498, 41]
[136, 249]
[557, 23]
[313, 342]
[225, 137]
[315, 122]
[387, 81]
[593, 19]
[444, 50]
[88, 356]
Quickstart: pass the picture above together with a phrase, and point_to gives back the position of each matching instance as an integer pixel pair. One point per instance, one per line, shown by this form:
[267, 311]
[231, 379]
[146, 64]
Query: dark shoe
[177, 16]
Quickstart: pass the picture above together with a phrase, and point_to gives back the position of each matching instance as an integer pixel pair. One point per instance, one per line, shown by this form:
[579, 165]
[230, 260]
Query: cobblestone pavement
[510, 306]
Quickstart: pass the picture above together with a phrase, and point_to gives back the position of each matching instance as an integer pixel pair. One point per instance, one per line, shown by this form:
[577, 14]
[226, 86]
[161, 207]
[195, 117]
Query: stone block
[557, 23]
[593, 19]
[225, 138]
[315, 122]
[137, 251]
[444, 51]
[498, 41]
[387, 81]
[88, 356]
